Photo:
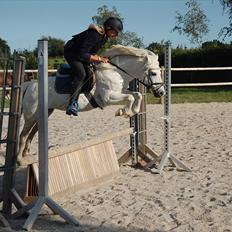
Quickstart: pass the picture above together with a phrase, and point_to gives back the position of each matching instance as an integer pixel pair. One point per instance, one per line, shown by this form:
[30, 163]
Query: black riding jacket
[85, 44]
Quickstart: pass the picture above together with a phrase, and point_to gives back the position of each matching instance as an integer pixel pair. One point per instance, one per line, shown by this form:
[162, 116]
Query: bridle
[159, 84]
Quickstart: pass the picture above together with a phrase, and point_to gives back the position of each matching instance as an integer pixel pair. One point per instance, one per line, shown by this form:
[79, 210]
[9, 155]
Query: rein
[123, 70]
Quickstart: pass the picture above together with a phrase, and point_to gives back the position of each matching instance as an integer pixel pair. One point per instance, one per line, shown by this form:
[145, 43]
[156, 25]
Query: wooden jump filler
[77, 166]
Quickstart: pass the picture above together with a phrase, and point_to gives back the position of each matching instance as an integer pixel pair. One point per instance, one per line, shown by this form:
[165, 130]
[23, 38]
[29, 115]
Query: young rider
[82, 50]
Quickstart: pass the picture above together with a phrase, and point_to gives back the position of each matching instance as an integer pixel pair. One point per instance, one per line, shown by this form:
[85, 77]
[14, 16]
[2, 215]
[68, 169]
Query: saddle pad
[63, 85]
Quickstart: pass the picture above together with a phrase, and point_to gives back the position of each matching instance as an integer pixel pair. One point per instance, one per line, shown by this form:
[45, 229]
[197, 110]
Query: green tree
[31, 58]
[55, 46]
[126, 38]
[227, 7]
[104, 13]
[157, 48]
[194, 24]
[4, 48]
[212, 44]
[130, 39]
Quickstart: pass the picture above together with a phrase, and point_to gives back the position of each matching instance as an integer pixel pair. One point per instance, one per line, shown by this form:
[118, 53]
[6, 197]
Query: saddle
[64, 79]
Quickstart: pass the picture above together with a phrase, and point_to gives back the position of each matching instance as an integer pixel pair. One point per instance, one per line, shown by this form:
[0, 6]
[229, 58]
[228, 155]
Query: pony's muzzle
[158, 90]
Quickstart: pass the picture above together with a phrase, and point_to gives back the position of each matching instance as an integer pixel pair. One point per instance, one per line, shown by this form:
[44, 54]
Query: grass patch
[53, 63]
[7, 103]
[197, 95]
[7, 100]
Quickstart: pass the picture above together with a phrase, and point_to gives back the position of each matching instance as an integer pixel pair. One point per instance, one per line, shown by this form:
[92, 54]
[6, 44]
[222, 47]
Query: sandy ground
[200, 201]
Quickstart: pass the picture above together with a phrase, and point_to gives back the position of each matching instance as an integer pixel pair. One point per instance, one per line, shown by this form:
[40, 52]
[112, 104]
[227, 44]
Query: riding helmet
[113, 23]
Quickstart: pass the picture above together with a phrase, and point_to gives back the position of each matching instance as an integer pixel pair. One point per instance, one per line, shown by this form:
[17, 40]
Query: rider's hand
[100, 59]
[103, 59]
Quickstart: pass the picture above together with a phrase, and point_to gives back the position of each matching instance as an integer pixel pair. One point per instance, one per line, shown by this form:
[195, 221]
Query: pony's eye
[152, 73]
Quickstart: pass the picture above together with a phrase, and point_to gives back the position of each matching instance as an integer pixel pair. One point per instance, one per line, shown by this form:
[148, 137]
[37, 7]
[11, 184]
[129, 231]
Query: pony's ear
[146, 58]
[156, 57]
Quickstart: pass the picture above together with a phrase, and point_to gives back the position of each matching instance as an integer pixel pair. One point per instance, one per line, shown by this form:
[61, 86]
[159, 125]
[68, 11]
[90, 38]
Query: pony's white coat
[111, 86]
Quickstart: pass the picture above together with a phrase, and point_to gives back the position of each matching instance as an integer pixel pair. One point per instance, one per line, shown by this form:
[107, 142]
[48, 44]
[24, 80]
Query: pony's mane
[120, 50]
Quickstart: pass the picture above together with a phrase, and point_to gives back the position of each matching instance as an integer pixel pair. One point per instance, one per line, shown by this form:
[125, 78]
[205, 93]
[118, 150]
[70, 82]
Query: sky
[23, 22]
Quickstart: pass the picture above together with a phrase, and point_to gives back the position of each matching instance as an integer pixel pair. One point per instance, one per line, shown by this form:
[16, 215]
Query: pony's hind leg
[29, 139]
[23, 138]
[31, 136]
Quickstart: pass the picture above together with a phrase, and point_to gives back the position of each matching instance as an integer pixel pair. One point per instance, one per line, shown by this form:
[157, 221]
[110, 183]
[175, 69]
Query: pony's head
[139, 63]
[153, 78]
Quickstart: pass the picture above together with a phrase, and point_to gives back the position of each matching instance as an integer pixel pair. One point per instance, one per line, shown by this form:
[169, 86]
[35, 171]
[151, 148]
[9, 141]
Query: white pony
[111, 86]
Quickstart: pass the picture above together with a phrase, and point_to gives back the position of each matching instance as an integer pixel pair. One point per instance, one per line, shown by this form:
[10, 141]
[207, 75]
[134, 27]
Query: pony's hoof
[119, 112]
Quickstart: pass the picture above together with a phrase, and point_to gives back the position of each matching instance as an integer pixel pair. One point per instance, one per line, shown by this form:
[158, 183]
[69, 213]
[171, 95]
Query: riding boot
[73, 107]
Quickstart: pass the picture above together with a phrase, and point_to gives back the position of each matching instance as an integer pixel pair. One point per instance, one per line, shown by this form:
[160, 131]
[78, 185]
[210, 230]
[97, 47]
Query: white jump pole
[43, 197]
[167, 155]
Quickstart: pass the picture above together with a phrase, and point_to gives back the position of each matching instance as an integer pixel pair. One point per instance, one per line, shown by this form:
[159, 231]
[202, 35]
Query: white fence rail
[30, 70]
[174, 70]
[202, 84]
[202, 69]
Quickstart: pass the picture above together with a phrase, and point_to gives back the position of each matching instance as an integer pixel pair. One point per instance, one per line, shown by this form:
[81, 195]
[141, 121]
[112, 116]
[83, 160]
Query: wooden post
[9, 195]
[4, 93]
[138, 140]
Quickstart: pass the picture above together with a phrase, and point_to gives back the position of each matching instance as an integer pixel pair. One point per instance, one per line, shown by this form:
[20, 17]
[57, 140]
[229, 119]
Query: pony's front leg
[137, 103]
[126, 111]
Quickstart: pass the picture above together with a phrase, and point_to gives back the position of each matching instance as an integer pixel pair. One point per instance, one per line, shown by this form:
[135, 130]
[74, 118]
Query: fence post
[9, 194]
